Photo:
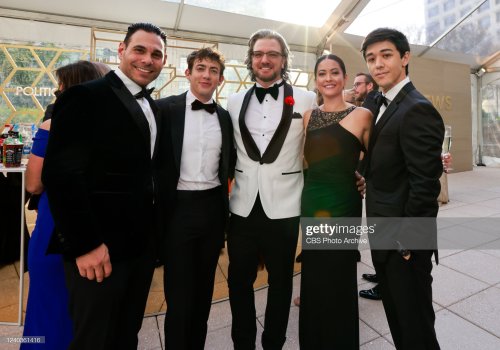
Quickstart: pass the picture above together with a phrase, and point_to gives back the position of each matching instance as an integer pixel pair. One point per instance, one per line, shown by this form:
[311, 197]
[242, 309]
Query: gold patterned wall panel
[27, 81]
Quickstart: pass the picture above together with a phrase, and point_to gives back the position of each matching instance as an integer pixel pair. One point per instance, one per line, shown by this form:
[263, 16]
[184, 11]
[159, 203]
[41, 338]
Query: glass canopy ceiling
[312, 13]
[463, 31]
[470, 27]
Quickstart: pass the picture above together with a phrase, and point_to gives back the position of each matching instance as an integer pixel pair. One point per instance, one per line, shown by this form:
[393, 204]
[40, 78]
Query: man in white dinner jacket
[265, 199]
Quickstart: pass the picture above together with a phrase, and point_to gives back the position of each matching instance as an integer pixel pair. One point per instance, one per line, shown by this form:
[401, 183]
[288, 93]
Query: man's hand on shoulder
[95, 264]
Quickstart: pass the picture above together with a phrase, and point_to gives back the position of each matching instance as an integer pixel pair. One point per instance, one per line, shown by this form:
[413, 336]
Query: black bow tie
[144, 93]
[209, 107]
[381, 100]
[273, 91]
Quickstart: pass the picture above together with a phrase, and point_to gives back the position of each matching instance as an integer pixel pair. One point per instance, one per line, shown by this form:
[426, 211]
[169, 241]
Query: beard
[268, 78]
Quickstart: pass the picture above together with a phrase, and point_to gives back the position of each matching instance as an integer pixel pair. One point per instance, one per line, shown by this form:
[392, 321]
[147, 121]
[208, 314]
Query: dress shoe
[373, 294]
[370, 277]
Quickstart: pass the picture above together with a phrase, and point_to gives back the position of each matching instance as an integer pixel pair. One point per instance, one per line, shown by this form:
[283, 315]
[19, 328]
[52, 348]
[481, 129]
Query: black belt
[196, 194]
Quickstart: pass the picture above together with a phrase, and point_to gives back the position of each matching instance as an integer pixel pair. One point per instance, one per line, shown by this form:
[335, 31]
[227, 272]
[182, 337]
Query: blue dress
[47, 310]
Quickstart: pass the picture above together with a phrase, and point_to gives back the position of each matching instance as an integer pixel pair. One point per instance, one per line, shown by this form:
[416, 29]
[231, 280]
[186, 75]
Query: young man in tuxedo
[100, 173]
[197, 141]
[404, 166]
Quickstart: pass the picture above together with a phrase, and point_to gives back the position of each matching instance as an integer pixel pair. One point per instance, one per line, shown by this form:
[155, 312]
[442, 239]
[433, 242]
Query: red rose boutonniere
[289, 100]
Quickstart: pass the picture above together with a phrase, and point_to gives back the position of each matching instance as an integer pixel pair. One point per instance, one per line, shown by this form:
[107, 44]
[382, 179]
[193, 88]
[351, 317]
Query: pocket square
[296, 115]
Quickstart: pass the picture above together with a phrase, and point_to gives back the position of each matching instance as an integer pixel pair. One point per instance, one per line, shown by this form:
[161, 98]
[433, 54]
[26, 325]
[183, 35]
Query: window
[449, 20]
[448, 5]
[485, 22]
[433, 11]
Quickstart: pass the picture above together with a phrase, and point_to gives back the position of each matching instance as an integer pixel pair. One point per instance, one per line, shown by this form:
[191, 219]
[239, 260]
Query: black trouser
[108, 315]
[406, 288]
[250, 239]
[194, 240]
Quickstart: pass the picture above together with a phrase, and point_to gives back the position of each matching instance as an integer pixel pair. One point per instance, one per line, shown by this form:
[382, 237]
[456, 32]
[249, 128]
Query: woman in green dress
[336, 133]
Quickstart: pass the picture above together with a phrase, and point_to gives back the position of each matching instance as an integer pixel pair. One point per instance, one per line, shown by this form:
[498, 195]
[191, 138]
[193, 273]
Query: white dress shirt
[143, 103]
[262, 119]
[391, 95]
[201, 149]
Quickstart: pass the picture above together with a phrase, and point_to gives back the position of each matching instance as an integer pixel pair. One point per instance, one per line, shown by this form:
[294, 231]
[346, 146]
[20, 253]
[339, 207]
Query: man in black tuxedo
[99, 173]
[404, 166]
[197, 143]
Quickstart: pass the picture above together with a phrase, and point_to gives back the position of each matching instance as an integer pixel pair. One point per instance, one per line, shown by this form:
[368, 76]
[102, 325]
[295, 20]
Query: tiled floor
[466, 285]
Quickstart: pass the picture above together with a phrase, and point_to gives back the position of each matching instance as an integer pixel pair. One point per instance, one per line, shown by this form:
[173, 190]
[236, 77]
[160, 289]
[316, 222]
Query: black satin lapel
[388, 113]
[177, 119]
[391, 110]
[249, 143]
[278, 139]
[131, 104]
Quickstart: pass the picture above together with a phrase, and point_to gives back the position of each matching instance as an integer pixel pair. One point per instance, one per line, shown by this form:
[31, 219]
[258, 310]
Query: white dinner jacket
[277, 178]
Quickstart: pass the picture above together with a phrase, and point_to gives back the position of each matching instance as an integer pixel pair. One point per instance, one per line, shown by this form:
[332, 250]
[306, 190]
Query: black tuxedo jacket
[404, 165]
[173, 110]
[98, 171]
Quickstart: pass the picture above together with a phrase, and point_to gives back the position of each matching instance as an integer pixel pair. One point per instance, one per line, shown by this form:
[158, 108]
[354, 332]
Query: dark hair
[268, 34]
[206, 53]
[330, 57]
[79, 72]
[368, 79]
[147, 27]
[387, 34]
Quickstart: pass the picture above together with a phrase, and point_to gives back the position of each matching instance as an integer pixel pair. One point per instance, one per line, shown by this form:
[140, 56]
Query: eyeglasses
[355, 85]
[272, 55]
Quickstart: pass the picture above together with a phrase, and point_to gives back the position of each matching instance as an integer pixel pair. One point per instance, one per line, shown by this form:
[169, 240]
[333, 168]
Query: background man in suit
[197, 140]
[363, 85]
[265, 199]
[404, 166]
[99, 173]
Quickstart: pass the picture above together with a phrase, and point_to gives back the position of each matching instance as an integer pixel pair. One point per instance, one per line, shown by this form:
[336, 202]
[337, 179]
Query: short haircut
[387, 34]
[330, 57]
[79, 72]
[206, 53]
[147, 27]
[268, 34]
[368, 79]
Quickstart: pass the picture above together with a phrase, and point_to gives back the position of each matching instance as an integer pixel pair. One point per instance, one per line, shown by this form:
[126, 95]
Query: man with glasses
[363, 84]
[265, 200]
